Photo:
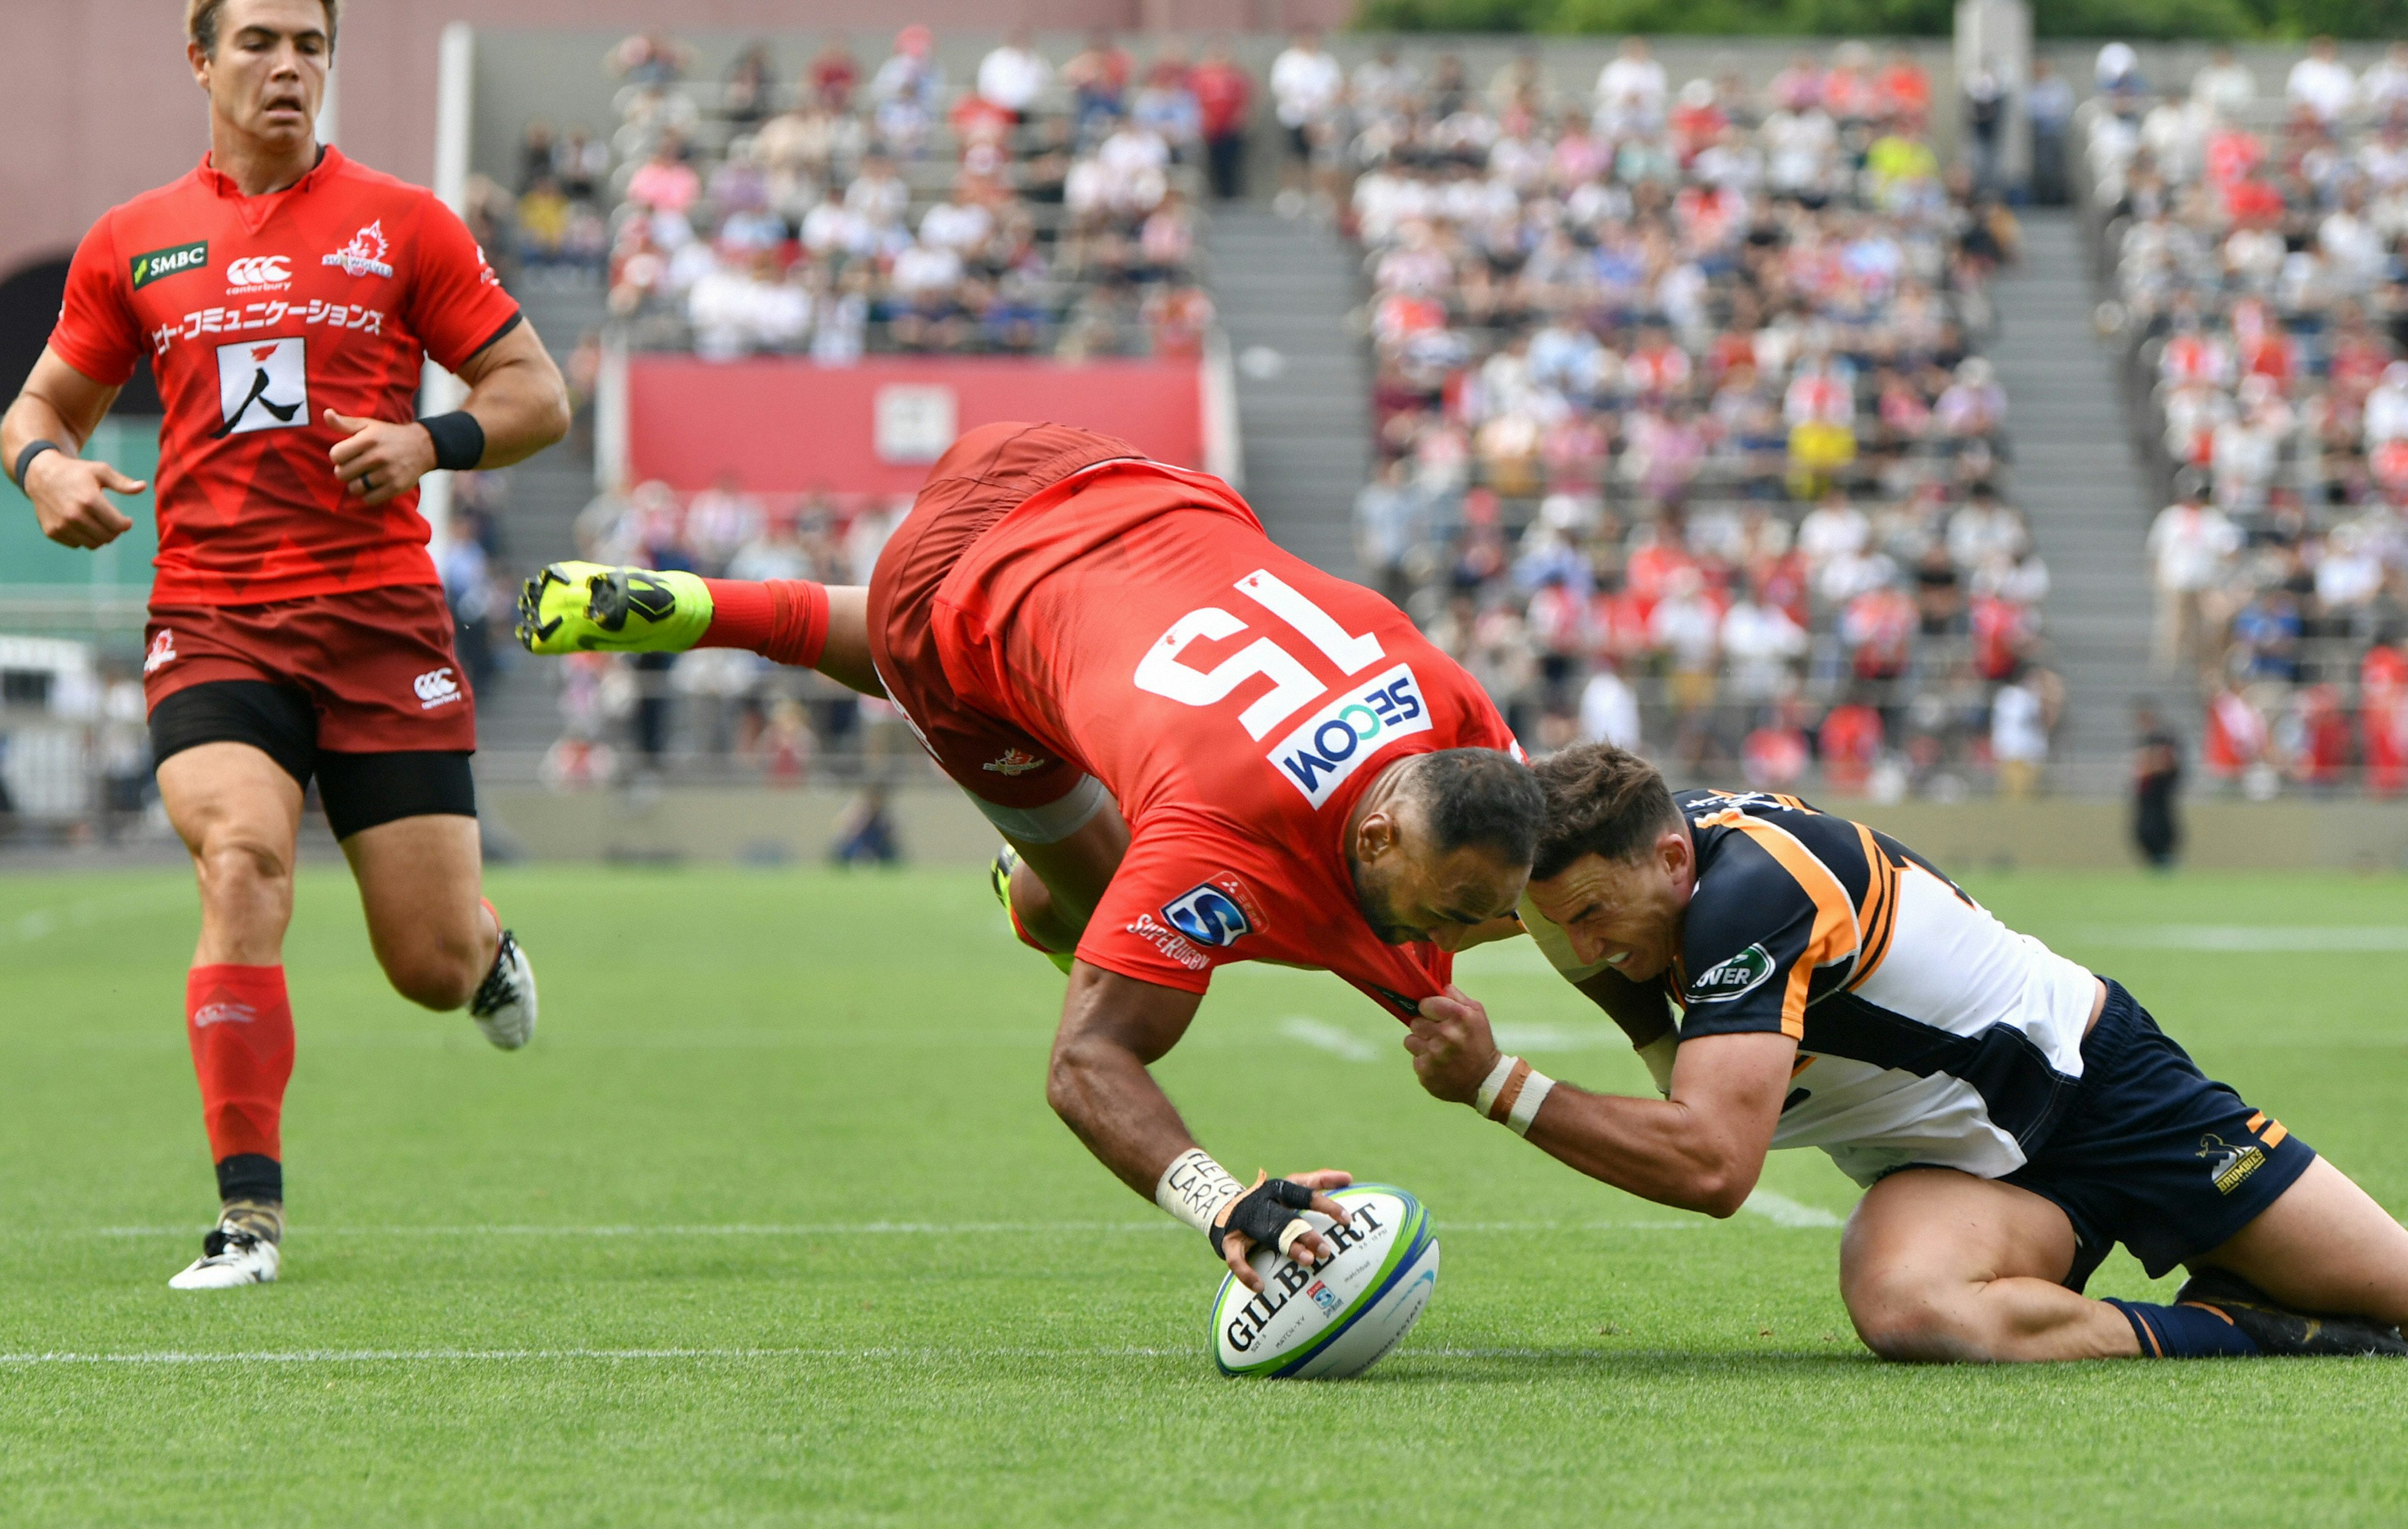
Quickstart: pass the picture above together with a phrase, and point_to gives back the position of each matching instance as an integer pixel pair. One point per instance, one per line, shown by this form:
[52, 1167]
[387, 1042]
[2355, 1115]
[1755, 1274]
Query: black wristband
[25, 457]
[459, 439]
[1263, 1212]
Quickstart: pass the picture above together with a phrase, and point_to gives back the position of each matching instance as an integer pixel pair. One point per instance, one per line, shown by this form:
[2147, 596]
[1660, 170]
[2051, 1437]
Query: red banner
[790, 427]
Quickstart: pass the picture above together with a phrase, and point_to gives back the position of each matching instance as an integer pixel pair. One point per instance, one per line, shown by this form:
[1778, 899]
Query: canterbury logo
[223, 1013]
[435, 688]
[259, 271]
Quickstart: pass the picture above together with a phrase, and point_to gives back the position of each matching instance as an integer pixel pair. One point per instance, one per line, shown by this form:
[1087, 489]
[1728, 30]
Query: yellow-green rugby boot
[594, 608]
[999, 878]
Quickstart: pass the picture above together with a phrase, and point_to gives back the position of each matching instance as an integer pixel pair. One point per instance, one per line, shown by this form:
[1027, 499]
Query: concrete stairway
[1286, 291]
[515, 713]
[2076, 481]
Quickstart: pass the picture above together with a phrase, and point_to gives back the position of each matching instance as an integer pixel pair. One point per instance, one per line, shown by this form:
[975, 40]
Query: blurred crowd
[1041, 207]
[1683, 438]
[2254, 230]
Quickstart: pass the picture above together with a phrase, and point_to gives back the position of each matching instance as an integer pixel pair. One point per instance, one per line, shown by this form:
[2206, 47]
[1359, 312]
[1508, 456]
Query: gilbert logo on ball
[1342, 1318]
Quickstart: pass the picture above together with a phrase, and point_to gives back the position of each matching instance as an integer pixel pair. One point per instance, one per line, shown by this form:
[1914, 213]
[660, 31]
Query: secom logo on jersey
[435, 688]
[1319, 757]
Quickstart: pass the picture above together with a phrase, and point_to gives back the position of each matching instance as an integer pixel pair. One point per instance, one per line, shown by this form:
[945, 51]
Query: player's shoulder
[353, 175]
[1765, 856]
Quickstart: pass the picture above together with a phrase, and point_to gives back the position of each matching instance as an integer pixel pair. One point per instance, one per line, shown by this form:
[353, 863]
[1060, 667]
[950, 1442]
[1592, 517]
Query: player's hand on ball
[377, 458]
[71, 499]
[1453, 1051]
[1267, 1213]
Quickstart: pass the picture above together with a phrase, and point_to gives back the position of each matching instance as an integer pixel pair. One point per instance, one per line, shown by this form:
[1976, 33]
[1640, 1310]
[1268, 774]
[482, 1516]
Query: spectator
[665, 183]
[2225, 86]
[1224, 97]
[1014, 75]
[2019, 736]
[1631, 91]
[2049, 106]
[2322, 82]
[832, 75]
[1608, 712]
[1099, 77]
[2187, 545]
[1305, 85]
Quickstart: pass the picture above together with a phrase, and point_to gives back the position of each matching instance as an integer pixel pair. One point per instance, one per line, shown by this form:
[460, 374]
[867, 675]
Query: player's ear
[1374, 836]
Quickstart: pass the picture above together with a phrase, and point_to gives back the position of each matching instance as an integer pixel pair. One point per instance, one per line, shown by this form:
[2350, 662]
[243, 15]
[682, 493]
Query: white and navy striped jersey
[1927, 1030]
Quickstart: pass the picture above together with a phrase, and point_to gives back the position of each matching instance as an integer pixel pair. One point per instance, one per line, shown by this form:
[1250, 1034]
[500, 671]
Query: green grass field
[772, 1224]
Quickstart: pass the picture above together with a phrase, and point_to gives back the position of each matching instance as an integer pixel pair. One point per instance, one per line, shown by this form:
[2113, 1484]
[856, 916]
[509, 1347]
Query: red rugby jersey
[1236, 700]
[259, 313]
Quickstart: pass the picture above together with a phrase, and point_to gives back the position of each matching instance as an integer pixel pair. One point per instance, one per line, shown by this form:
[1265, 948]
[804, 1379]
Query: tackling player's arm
[60, 408]
[1700, 1150]
[516, 398]
[1114, 1027]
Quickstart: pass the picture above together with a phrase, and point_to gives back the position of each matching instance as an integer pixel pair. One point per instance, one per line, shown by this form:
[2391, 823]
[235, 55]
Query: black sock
[251, 1175]
[2183, 1332]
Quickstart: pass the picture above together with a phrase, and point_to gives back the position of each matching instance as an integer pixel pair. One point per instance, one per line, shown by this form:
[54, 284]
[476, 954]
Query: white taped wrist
[1513, 1095]
[1195, 1188]
[1659, 1053]
[1496, 1081]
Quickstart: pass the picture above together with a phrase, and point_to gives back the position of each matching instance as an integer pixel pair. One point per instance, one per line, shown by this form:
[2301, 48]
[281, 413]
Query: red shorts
[985, 475]
[377, 664]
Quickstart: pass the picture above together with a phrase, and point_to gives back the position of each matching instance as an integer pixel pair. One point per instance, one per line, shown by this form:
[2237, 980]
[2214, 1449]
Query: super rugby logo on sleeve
[172, 261]
[1319, 757]
[1219, 913]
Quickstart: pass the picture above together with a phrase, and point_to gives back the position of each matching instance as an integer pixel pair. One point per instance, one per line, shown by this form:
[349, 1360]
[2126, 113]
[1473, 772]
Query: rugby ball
[1338, 1319]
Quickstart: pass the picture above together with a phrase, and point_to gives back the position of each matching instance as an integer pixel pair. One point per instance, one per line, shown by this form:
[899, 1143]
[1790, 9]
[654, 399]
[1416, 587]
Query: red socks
[240, 1026]
[784, 619]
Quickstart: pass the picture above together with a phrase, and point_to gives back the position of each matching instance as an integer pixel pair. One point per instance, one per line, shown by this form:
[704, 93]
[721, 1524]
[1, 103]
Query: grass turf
[772, 1224]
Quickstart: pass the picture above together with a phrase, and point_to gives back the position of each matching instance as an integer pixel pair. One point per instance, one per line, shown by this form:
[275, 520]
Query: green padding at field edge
[29, 557]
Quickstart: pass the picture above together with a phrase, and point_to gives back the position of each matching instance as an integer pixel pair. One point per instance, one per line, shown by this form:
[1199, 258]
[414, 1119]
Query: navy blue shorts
[2154, 1154]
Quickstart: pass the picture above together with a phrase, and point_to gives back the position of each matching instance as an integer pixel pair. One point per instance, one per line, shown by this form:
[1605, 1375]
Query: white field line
[1782, 1211]
[1512, 1038]
[1779, 1209]
[173, 1357]
[1322, 1035]
[2246, 938]
[40, 923]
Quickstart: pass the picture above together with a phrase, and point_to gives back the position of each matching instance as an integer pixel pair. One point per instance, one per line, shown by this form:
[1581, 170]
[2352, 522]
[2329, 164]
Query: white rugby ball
[1337, 1320]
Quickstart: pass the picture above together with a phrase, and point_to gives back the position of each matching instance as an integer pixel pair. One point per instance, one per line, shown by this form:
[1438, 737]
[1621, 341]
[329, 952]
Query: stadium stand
[866, 210]
[1684, 437]
[1037, 209]
[2253, 242]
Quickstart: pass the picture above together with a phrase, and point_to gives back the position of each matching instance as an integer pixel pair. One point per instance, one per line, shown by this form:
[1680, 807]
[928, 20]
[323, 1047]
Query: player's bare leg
[440, 943]
[2324, 1246]
[1939, 1266]
[239, 816]
[1056, 886]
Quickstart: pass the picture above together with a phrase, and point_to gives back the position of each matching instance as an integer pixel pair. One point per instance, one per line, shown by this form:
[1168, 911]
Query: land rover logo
[1743, 973]
[169, 262]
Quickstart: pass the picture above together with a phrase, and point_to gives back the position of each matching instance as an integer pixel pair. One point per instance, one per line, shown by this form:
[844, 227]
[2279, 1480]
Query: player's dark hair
[1601, 801]
[1481, 797]
[201, 23]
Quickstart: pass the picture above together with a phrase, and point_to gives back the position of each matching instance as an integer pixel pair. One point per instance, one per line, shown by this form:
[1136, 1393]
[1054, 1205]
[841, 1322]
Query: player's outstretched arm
[1112, 1027]
[1700, 1150]
[60, 406]
[517, 405]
